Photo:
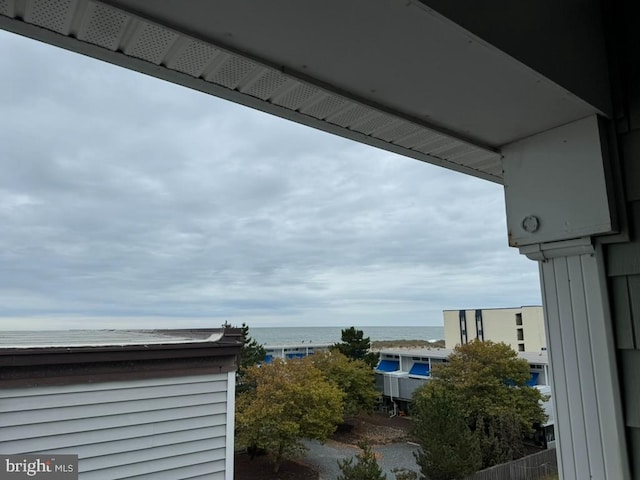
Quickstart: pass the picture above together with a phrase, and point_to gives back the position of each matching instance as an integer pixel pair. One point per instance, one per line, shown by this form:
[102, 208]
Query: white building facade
[521, 328]
[401, 371]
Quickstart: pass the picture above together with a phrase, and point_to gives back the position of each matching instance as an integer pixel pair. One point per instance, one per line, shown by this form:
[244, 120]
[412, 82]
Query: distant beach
[295, 335]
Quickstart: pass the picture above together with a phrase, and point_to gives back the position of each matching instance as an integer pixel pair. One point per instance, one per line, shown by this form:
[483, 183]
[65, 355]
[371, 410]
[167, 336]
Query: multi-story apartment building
[522, 328]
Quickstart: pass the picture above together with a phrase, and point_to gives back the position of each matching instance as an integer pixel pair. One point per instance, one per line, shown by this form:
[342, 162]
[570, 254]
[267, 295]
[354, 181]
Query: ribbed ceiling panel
[194, 57]
[282, 94]
[150, 42]
[232, 71]
[54, 16]
[103, 26]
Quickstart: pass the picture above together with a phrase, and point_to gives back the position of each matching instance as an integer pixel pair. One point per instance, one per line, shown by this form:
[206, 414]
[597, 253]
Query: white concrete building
[401, 371]
[297, 350]
[130, 404]
[522, 328]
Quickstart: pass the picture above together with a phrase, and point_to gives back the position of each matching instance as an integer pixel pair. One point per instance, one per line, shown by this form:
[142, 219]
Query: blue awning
[268, 358]
[388, 366]
[534, 379]
[420, 369]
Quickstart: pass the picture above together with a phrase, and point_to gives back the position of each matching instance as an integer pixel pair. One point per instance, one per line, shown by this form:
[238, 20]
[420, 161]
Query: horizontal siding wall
[169, 428]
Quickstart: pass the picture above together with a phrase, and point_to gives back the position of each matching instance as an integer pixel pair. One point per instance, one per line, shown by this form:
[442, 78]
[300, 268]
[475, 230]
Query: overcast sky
[129, 202]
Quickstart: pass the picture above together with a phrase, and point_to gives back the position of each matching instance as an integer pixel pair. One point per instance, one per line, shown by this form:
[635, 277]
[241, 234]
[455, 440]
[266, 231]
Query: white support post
[559, 197]
[230, 434]
[589, 426]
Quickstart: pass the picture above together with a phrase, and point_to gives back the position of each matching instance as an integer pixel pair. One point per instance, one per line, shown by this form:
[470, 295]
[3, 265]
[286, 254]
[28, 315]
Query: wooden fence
[538, 466]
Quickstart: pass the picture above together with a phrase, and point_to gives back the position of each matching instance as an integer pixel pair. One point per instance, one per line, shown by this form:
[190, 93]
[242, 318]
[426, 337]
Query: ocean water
[292, 335]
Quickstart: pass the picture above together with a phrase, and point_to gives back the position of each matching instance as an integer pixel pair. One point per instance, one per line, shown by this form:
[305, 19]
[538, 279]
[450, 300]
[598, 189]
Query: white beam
[558, 200]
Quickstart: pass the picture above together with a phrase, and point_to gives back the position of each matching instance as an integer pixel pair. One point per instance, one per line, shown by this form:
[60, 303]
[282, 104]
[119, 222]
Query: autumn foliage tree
[291, 401]
[485, 385]
[355, 378]
[252, 352]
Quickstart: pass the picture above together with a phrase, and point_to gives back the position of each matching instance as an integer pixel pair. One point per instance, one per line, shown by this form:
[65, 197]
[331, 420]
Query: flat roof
[492, 308]
[63, 357]
[297, 345]
[104, 338]
[418, 352]
[530, 357]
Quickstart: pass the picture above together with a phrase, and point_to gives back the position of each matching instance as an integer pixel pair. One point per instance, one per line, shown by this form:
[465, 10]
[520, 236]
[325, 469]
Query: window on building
[518, 319]
[520, 334]
[521, 347]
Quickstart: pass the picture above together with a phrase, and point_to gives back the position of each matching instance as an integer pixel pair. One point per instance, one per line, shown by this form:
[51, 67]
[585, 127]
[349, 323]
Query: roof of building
[99, 338]
[31, 358]
[492, 308]
[417, 352]
[531, 357]
[297, 345]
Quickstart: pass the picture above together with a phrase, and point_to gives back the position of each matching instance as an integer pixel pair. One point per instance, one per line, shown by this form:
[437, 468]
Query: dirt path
[388, 436]
[324, 457]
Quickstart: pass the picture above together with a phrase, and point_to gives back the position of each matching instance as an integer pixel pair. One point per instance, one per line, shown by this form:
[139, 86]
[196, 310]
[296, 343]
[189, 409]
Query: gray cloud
[127, 201]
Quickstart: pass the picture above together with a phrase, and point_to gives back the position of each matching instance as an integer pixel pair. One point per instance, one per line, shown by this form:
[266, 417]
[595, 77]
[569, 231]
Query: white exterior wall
[451, 328]
[499, 325]
[167, 428]
[535, 338]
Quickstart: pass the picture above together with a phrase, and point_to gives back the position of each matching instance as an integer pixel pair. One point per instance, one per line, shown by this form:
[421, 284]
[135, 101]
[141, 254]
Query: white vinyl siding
[166, 428]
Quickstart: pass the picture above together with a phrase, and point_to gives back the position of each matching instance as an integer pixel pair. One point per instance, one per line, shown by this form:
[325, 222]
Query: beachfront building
[401, 371]
[521, 328]
[546, 431]
[298, 350]
[130, 404]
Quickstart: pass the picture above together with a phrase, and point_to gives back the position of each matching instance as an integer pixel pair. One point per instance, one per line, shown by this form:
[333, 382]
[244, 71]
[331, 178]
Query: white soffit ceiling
[120, 37]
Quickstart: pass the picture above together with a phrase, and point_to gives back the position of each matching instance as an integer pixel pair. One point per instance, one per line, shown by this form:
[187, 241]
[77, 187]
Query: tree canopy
[365, 467]
[485, 384]
[252, 352]
[290, 401]
[354, 377]
[356, 346]
[450, 449]
[491, 381]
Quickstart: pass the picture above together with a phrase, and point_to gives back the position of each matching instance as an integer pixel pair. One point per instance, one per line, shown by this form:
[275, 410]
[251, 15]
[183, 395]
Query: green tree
[365, 467]
[450, 449]
[355, 378]
[252, 352]
[356, 346]
[487, 383]
[291, 401]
